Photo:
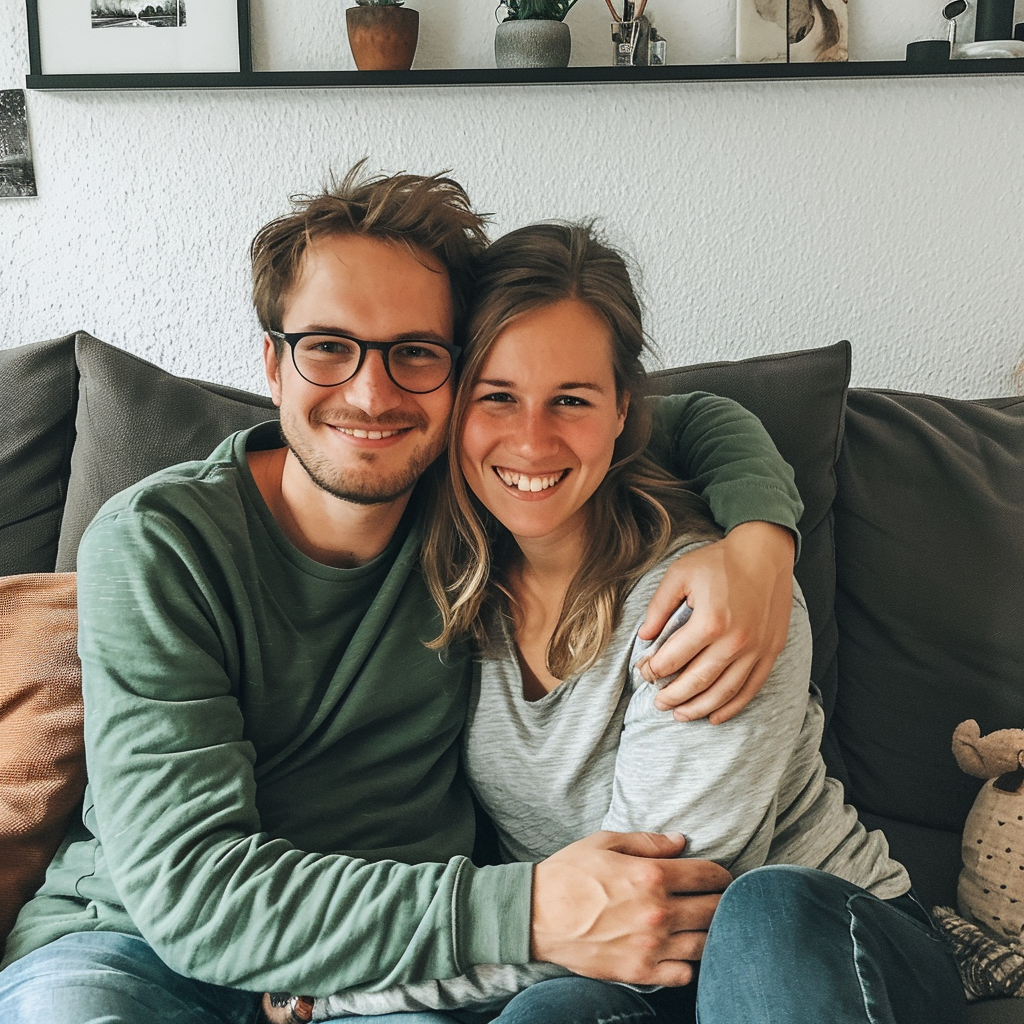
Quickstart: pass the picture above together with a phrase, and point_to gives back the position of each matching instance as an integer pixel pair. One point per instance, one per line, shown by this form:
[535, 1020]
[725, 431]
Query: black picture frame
[38, 48]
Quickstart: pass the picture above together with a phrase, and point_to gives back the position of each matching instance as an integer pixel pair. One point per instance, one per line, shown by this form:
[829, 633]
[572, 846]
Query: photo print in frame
[116, 37]
[17, 175]
[797, 31]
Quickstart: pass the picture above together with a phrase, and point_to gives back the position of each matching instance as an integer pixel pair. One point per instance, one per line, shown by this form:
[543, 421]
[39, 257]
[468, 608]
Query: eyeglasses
[327, 360]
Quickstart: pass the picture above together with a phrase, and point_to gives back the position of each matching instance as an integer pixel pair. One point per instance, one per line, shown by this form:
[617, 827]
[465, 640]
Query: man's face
[366, 440]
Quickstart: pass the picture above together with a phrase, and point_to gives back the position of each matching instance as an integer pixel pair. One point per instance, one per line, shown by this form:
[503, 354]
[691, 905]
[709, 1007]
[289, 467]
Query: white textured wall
[766, 216]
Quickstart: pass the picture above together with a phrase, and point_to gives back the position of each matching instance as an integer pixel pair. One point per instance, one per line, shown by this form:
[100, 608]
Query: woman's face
[542, 420]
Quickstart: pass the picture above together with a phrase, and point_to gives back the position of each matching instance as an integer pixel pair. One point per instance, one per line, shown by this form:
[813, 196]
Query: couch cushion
[800, 398]
[996, 1011]
[42, 758]
[135, 418]
[930, 602]
[931, 855]
[37, 430]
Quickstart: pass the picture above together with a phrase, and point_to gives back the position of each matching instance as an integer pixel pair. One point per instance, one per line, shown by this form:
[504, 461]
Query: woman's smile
[524, 483]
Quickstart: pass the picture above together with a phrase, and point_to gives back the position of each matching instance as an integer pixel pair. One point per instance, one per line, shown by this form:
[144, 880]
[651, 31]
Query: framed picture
[17, 176]
[113, 37]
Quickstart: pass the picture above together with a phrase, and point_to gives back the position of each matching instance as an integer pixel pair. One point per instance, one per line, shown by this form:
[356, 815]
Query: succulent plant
[380, 3]
[536, 10]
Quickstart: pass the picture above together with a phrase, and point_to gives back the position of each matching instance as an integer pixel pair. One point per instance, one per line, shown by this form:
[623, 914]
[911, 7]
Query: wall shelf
[531, 76]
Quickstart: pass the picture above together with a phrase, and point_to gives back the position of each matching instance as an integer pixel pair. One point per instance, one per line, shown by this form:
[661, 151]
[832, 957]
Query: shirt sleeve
[725, 454]
[718, 785]
[172, 777]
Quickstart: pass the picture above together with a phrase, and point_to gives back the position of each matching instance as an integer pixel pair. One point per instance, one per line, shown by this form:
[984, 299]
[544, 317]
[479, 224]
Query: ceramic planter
[532, 44]
[383, 38]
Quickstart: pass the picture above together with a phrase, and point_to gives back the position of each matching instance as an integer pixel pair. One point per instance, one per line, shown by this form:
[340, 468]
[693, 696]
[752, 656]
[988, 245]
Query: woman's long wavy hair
[636, 513]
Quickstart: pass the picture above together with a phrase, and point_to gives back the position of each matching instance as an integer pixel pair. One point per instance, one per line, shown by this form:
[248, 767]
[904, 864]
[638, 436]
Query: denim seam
[856, 963]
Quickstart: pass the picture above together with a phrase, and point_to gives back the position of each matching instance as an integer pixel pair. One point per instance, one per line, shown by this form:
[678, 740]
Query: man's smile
[372, 435]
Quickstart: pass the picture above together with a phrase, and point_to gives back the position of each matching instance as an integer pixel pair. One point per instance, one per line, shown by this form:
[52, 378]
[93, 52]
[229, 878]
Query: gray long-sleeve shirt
[594, 753]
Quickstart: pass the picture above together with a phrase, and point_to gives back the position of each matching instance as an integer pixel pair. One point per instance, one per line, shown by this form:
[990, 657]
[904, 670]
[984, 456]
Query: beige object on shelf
[798, 31]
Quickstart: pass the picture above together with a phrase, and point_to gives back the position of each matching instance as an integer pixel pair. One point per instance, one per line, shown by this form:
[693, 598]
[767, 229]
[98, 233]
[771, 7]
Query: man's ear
[272, 365]
[623, 409]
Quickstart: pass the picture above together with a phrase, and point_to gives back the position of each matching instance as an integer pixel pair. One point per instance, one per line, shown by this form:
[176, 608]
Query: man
[274, 801]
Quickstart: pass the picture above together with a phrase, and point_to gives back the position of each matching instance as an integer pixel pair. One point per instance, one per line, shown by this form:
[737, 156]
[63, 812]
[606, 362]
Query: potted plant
[533, 34]
[382, 34]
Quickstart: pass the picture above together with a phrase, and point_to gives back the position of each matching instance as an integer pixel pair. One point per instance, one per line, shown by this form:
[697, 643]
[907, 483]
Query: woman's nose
[535, 434]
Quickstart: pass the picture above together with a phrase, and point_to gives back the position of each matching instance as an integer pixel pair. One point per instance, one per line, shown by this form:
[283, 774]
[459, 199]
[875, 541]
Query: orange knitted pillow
[42, 752]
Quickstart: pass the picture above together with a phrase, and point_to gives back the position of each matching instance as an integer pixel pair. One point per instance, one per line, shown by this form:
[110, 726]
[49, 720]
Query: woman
[556, 535]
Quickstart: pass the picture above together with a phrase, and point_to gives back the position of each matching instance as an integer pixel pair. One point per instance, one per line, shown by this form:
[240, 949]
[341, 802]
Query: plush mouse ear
[967, 749]
[987, 757]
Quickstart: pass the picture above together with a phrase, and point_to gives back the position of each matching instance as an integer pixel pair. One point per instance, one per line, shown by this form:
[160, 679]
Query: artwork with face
[17, 175]
[818, 31]
[793, 30]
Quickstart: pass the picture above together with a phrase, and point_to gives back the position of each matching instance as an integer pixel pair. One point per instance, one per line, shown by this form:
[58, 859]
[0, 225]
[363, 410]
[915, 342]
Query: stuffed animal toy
[988, 934]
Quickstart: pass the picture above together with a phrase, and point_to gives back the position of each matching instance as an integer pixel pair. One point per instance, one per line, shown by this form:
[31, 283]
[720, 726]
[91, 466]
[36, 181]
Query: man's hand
[609, 906]
[740, 590]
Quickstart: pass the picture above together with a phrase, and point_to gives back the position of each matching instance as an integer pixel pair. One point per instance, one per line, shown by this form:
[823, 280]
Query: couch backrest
[38, 397]
[927, 620]
[929, 524]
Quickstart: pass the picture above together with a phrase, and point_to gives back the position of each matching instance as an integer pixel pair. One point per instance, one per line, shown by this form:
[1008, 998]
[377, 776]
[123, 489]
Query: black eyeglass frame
[292, 338]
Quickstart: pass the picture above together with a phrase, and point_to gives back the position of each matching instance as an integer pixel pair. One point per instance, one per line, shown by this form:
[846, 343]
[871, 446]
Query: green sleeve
[173, 777]
[726, 456]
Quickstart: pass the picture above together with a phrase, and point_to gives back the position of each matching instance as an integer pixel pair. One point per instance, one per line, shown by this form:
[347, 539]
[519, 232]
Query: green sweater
[274, 800]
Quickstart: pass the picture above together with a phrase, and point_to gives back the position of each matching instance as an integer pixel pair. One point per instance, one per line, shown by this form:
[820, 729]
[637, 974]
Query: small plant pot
[383, 38]
[532, 44]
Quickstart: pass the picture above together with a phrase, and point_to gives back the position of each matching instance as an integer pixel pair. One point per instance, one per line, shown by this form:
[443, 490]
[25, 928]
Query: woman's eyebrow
[572, 385]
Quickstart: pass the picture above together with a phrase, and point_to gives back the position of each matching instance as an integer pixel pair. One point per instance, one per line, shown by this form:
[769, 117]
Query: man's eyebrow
[571, 385]
[426, 335]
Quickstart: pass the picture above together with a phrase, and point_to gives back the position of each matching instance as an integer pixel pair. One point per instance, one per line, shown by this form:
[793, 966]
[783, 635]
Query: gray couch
[913, 546]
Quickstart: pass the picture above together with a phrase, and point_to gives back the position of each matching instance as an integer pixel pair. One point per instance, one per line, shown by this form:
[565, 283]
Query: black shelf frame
[532, 76]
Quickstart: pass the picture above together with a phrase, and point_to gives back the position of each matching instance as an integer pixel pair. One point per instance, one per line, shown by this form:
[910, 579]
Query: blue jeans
[585, 1001]
[787, 946]
[114, 979]
[792, 945]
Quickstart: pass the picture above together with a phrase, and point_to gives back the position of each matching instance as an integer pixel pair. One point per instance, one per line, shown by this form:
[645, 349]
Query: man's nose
[371, 389]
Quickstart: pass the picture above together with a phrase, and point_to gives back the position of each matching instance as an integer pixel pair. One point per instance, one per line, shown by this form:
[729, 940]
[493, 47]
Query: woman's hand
[741, 591]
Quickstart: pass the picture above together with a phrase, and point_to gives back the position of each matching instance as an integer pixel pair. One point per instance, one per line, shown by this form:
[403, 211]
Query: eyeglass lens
[416, 366]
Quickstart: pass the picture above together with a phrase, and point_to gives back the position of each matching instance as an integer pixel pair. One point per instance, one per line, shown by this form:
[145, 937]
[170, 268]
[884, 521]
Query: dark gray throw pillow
[37, 431]
[800, 397]
[930, 603]
[133, 419]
